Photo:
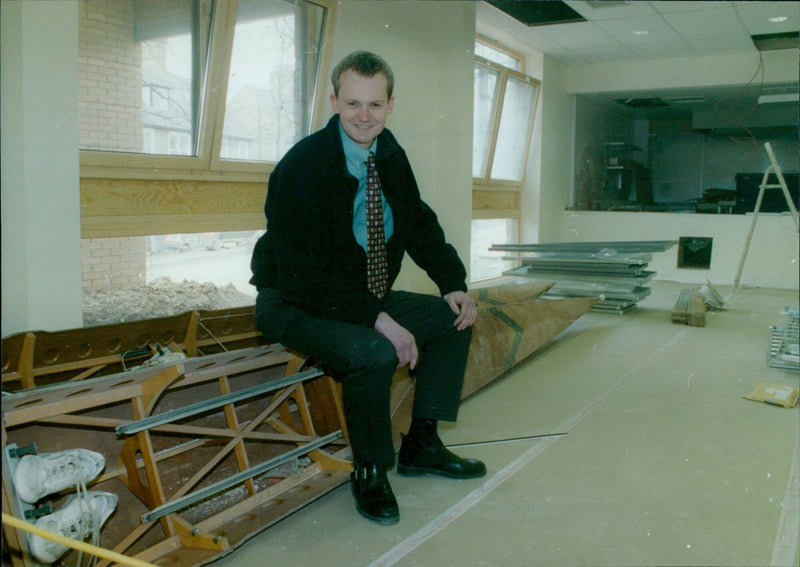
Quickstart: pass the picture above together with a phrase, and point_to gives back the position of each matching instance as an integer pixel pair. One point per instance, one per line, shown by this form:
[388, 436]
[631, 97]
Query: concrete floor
[626, 442]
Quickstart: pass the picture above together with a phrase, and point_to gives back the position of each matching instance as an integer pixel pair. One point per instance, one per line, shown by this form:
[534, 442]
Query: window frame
[206, 165]
[136, 194]
[500, 198]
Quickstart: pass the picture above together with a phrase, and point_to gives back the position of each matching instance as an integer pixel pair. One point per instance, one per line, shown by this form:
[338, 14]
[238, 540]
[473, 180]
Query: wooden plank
[106, 197]
[40, 403]
[690, 309]
[495, 200]
[75, 354]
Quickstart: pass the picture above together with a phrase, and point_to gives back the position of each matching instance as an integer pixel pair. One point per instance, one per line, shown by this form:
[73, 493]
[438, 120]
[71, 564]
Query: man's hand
[464, 306]
[403, 341]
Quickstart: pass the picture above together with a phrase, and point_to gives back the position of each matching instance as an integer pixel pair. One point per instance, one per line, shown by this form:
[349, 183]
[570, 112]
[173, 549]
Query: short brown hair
[365, 64]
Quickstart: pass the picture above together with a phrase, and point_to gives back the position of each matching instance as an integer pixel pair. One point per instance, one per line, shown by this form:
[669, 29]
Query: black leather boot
[422, 452]
[373, 494]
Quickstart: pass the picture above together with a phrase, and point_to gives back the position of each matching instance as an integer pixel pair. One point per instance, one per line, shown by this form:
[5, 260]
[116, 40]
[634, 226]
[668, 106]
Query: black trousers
[365, 361]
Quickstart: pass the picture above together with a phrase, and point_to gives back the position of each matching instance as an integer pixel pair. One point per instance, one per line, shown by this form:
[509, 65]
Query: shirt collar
[353, 152]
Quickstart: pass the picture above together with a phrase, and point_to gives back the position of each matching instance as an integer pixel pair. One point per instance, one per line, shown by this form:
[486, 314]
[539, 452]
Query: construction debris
[613, 272]
[711, 297]
[690, 309]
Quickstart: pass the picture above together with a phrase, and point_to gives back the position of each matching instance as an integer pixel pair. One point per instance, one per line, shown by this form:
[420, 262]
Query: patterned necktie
[377, 266]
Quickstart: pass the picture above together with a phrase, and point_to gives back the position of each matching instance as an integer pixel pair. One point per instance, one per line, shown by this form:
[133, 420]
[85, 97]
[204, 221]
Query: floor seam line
[785, 549]
[409, 544]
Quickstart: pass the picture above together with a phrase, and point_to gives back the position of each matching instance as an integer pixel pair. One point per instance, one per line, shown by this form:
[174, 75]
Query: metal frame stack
[784, 341]
[614, 272]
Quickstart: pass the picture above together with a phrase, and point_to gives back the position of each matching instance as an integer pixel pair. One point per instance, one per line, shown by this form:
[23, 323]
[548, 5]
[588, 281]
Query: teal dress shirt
[356, 158]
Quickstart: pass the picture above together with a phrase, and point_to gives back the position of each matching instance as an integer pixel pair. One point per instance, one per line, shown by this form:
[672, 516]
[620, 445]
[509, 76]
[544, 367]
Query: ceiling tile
[718, 45]
[755, 16]
[538, 41]
[666, 7]
[569, 58]
[699, 24]
[623, 29]
[581, 35]
[662, 50]
[605, 54]
[610, 9]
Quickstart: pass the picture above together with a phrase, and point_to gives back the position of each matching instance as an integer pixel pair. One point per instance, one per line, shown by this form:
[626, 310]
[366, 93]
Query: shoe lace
[88, 514]
[64, 470]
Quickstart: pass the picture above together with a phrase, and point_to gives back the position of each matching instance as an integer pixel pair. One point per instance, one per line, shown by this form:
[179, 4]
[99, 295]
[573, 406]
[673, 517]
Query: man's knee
[375, 354]
[272, 315]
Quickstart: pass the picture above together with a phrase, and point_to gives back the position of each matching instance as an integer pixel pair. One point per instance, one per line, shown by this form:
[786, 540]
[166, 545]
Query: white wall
[772, 259]
[41, 276]
[429, 47]
[556, 152]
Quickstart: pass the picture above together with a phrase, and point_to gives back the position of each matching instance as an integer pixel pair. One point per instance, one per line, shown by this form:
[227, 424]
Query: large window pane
[273, 72]
[140, 64]
[484, 99]
[512, 137]
[486, 232]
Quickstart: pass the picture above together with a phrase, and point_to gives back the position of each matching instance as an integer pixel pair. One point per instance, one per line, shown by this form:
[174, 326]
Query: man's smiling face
[363, 106]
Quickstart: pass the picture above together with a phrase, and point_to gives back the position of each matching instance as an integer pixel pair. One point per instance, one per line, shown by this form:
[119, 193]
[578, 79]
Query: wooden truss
[194, 479]
[38, 358]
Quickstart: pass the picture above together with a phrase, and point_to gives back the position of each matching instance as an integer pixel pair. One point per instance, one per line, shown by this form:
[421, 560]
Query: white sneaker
[39, 475]
[81, 515]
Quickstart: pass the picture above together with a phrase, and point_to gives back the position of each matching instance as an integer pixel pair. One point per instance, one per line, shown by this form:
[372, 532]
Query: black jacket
[309, 252]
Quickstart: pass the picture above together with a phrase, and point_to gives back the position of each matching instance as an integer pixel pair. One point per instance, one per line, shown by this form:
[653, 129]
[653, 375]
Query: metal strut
[217, 487]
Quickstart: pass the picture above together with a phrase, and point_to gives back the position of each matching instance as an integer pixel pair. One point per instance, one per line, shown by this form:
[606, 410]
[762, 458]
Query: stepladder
[772, 169]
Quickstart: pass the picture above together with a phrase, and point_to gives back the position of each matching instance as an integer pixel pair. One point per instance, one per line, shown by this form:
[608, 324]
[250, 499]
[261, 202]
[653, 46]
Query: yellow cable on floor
[75, 544]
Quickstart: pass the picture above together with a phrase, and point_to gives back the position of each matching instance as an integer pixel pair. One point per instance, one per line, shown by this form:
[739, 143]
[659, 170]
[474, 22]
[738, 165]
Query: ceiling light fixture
[640, 32]
[777, 19]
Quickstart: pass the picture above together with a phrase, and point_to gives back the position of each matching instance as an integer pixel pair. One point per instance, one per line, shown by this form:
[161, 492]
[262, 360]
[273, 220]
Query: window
[276, 49]
[505, 101]
[159, 98]
[485, 91]
[504, 109]
[184, 105]
[236, 78]
[140, 65]
[499, 55]
[486, 232]
[514, 130]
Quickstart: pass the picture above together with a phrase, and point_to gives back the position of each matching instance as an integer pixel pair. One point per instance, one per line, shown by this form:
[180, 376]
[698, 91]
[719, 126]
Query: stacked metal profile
[784, 341]
[613, 271]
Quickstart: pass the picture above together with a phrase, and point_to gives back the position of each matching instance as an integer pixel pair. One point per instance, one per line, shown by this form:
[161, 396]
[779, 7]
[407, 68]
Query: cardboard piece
[775, 394]
[513, 293]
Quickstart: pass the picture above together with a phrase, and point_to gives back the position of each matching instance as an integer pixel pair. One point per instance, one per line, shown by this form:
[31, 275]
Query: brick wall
[110, 106]
[113, 262]
[110, 77]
